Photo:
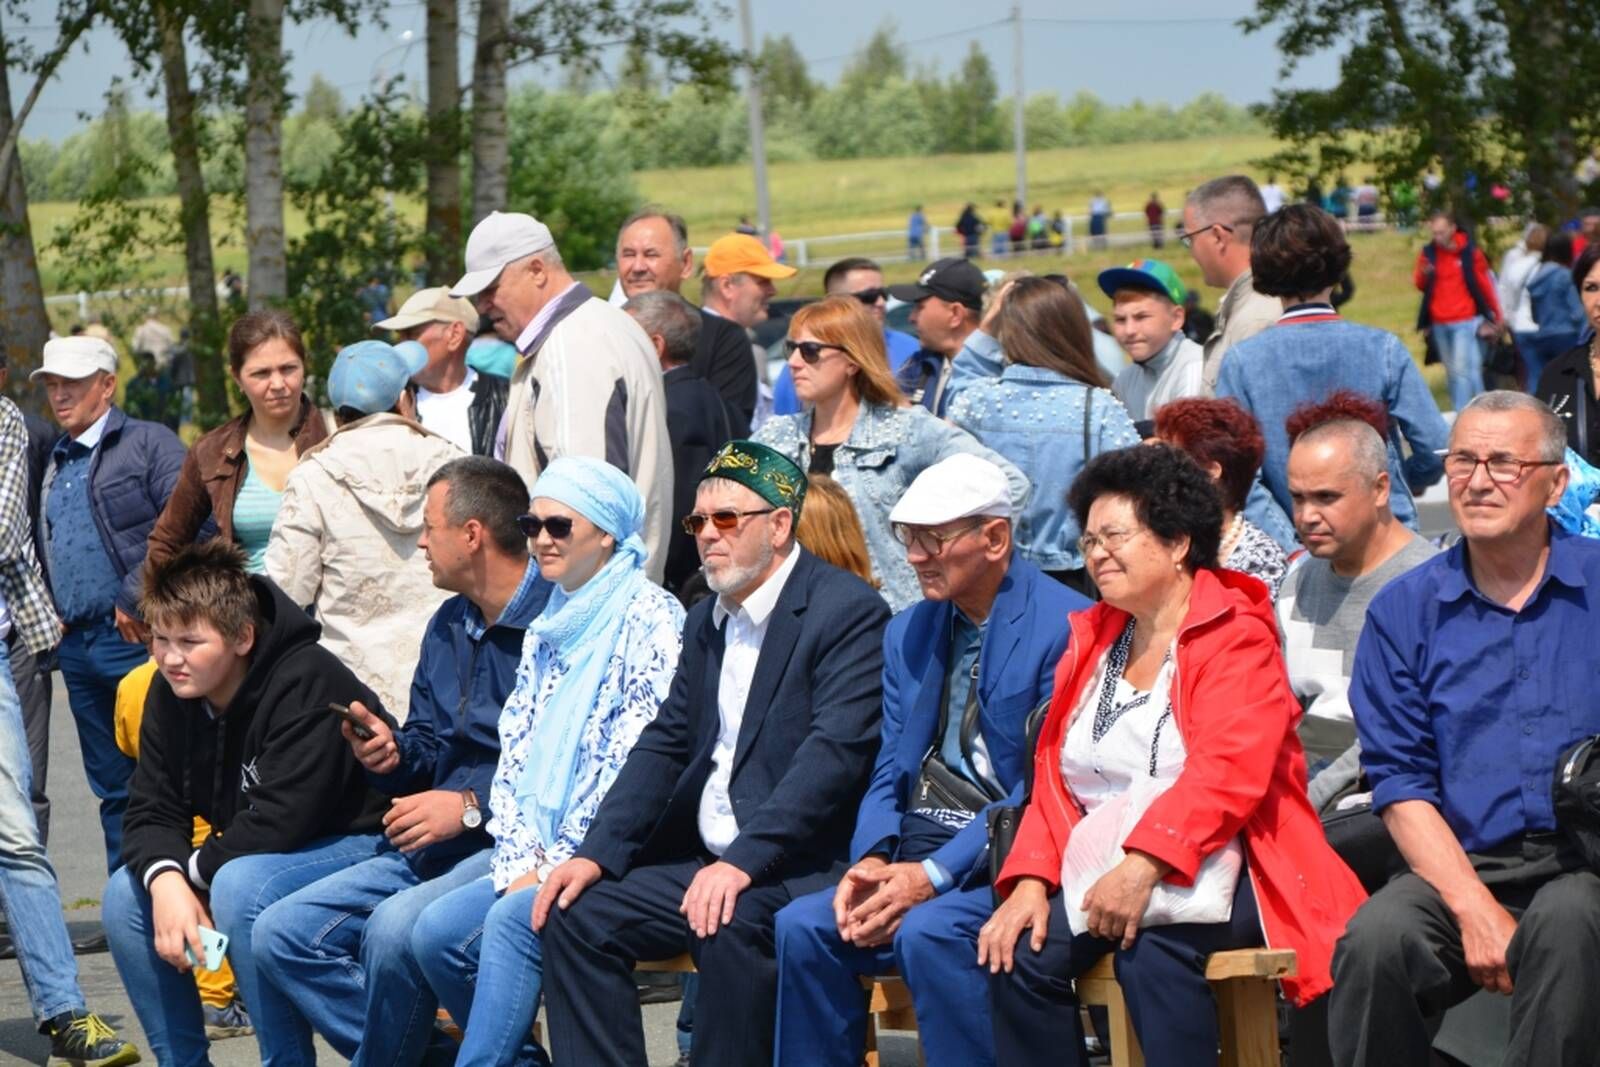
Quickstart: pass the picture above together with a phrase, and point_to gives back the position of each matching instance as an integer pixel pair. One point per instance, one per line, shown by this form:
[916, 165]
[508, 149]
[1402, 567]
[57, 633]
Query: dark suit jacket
[1022, 642]
[805, 748]
[698, 425]
[723, 356]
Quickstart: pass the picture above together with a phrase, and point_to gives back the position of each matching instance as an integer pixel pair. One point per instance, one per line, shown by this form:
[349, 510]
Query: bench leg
[1247, 1017]
[1124, 1043]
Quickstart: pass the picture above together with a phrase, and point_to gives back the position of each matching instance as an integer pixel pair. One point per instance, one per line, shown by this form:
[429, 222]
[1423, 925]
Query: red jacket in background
[1244, 776]
[1452, 301]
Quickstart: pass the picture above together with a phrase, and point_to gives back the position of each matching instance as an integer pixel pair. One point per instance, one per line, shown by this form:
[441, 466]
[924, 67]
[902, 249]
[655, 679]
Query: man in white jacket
[587, 382]
[345, 539]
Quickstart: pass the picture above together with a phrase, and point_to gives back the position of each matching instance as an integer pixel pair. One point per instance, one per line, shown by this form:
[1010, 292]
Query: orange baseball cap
[739, 253]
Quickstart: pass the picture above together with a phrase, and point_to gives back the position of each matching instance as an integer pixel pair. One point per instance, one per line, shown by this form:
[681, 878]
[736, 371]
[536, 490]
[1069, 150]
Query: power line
[1211, 20]
[979, 28]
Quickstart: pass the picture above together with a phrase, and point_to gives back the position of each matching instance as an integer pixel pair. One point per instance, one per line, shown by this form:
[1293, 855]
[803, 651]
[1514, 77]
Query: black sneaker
[83, 1039]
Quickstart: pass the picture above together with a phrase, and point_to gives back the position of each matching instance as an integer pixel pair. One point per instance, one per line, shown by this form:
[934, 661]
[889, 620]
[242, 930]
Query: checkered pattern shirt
[32, 613]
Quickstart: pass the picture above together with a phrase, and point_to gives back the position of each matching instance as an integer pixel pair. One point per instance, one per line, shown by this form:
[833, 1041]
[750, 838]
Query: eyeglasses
[1503, 470]
[929, 542]
[559, 527]
[1187, 239]
[694, 522]
[1110, 540]
[810, 351]
[870, 297]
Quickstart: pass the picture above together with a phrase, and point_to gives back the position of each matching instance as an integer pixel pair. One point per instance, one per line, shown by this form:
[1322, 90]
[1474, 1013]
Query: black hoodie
[270, 774]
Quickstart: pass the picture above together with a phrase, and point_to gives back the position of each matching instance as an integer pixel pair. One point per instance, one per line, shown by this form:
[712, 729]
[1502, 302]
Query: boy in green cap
[1147, 321]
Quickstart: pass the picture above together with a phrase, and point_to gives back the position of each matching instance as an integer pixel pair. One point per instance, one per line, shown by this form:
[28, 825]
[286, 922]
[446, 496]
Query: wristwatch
[471, 815]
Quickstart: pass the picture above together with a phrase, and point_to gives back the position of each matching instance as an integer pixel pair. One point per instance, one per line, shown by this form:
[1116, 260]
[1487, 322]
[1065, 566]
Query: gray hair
[1233, 201]
[671, 316]
[1368, 454]
[1552, 431]
[675, 223]
[489, 491]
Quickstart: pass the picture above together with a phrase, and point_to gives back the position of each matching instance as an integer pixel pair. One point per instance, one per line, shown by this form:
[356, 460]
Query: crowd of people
[970, 662]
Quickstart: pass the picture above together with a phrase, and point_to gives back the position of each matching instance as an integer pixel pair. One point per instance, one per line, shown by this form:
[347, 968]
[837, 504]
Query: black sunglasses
[694, 522]
[558, 526]
[870, 297]
[810, 351]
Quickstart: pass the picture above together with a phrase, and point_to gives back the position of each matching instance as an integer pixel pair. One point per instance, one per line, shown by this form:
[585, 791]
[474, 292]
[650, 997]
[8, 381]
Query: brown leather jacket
[210, 480]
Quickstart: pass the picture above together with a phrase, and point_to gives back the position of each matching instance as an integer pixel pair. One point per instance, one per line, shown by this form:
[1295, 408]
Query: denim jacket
[1299, 362]
[887, 448]
[1035, 418]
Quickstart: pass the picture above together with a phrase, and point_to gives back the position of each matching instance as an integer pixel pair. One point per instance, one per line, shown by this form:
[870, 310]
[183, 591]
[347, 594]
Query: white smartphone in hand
[215, 946]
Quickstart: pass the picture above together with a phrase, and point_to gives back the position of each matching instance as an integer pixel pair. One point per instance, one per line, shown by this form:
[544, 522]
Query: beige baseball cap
[432, 305]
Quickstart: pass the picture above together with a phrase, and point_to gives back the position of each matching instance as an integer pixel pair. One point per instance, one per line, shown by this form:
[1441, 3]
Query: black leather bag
[1004, 819]
[939, 786]
[1363, 842]
[1576, 793]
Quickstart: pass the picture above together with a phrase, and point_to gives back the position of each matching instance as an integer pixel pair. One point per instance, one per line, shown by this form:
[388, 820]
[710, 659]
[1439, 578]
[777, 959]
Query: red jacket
[1245, 774]
[1452, 300]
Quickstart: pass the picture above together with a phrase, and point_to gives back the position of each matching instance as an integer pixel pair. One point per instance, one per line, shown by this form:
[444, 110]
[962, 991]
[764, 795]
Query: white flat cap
[503, 237]
[958, 487]
[76, 357]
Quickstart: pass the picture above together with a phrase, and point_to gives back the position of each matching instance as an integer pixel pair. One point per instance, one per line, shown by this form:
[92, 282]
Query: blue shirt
[1465, 704]
[965, 640]
[82, 576]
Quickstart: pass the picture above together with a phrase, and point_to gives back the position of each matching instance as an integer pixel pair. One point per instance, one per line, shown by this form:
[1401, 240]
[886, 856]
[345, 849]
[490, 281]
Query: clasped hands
[873, 897]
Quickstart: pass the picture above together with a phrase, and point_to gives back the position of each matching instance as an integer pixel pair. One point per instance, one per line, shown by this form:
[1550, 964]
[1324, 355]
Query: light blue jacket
[1295, 363]
[1034, 417]
[887, 449]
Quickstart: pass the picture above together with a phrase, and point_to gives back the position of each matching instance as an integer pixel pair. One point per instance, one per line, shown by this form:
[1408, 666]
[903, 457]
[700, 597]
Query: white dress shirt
[746, 627]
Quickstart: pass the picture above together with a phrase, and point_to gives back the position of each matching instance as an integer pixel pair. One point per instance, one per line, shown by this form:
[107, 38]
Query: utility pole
[1018, 125]
[758, 135]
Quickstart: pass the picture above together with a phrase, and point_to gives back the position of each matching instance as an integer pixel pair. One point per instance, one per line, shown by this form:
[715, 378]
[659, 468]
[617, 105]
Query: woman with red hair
[1225, 440]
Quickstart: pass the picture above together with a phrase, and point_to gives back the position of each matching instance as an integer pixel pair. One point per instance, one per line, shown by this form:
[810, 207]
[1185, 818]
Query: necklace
[1231, 538]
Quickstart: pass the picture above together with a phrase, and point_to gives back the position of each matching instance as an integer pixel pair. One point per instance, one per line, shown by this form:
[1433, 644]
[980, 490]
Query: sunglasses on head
[726, 520]
[810, 351]
[558, 526]
[870, 297]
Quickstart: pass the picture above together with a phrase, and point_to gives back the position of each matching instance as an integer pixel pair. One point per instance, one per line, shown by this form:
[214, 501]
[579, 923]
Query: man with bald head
[1339, 483]
[1474, 674]
[653, 254]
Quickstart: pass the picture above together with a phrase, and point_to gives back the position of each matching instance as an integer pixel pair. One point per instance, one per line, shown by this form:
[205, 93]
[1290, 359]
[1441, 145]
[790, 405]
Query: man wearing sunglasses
[949, 303]
[964, 667]
[737, 798]
[862, 279]
[1218, 219]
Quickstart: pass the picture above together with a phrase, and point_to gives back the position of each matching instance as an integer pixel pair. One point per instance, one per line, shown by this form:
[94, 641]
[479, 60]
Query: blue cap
[370, 375]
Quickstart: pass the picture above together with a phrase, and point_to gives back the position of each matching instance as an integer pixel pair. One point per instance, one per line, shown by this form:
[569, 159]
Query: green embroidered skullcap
[772, 475]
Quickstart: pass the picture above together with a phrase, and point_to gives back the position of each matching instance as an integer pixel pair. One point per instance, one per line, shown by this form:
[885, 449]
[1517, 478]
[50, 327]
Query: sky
[1159, 51]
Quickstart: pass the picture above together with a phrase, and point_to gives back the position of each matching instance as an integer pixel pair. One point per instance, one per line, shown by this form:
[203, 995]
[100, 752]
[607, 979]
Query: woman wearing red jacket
[1173, 687]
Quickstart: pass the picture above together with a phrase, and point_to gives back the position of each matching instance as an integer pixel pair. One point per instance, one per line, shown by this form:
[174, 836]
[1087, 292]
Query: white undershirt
[446, 414]
[745, 628]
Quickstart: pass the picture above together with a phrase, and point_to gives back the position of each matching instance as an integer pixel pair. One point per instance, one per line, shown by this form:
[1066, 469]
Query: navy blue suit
[821, 1015]
[801, 763]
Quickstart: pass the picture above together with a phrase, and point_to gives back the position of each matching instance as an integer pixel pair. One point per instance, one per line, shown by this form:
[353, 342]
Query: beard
[731, 577]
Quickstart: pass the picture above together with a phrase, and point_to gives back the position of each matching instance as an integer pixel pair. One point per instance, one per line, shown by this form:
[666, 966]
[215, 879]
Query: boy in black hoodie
[237, 730]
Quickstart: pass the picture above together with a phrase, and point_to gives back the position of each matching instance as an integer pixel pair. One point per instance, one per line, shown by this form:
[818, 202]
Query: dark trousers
[591, 948]
[1162, 976]
[32, 678]
[93, 659]
[1401, 961]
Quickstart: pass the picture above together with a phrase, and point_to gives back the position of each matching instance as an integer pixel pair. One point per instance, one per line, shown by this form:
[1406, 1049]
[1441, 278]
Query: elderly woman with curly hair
[1169, 817]
[1298, 254]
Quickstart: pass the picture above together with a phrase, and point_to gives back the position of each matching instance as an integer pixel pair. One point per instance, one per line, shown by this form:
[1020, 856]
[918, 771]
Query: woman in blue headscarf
[596, 665]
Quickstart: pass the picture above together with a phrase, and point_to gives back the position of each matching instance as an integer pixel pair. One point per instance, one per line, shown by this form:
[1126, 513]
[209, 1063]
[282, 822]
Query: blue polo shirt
[83, 578]
[1464, 703]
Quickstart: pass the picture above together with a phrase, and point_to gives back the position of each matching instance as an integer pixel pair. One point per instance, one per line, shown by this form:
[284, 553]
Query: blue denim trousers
[93, 659]
[1461, 351]
[483, 960]
[28, 888]
[165, 999]
[341, 950]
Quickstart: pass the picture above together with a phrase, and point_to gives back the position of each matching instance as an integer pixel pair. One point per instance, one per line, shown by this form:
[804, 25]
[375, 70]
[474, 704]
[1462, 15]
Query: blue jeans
[483, 960]
[28, 888]
[1461, 352]
[341, 947]
[166, 1001]
[93, 658]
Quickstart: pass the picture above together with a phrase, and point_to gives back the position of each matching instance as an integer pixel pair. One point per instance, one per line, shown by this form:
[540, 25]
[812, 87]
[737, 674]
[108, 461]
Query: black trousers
[591, 948]
[1163, 980]
[1401, 961]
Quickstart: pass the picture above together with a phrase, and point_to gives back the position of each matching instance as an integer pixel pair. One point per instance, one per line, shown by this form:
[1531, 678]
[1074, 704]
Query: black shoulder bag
[1005, 819]
[940, 787]
[1576, 793]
